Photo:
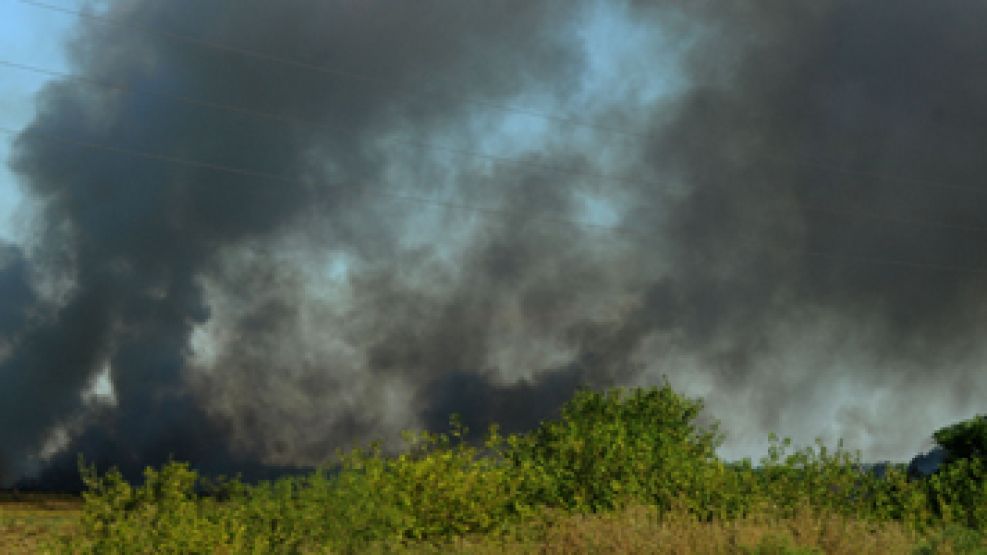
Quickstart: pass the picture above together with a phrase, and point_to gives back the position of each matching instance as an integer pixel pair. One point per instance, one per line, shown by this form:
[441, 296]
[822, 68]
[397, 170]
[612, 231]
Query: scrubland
[627, 471]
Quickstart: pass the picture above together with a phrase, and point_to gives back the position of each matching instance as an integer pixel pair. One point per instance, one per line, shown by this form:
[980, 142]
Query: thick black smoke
[804, 213]
[834, 219]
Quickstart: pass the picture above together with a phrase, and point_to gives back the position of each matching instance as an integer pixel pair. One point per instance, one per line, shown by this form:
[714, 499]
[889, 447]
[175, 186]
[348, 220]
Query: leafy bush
[836, 481]
[959, 492]
[439, 487]
[609, 448]
[964, 440]
[958, 489]
[162, 515]
[607, 451]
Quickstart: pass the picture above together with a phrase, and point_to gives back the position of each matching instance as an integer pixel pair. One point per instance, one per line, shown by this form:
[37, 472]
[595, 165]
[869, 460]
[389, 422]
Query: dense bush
[836, 481]
[439, 487]
[614, 447]
[163, 514]
[964, 440]
[606, 451]
[958, 490]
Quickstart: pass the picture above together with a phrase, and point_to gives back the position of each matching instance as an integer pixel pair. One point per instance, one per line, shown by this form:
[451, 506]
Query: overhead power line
[619, 230]
[291, 180]
[345, 74]
[297, 122]
[309, 66]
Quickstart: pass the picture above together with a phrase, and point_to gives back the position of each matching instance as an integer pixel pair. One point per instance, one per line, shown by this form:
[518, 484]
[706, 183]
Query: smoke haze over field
[799, 191]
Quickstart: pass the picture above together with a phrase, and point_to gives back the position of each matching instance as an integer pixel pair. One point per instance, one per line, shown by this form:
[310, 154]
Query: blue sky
[28, 35]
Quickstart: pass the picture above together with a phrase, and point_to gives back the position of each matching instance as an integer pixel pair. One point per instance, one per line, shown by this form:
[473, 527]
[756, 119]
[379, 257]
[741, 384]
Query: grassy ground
[29, 521]
[639, 530]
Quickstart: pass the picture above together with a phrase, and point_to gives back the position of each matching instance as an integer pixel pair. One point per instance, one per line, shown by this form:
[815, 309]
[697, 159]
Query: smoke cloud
[795, 195]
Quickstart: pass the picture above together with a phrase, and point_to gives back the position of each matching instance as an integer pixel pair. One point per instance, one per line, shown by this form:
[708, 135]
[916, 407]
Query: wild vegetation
[624, 470]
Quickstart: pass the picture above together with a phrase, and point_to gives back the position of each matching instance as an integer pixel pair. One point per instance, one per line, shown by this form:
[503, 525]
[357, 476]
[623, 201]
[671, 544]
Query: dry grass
[28, 522]
[639, 530]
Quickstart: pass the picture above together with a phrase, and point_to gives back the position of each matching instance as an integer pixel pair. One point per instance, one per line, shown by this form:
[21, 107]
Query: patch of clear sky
[33, 36]
[27, 35]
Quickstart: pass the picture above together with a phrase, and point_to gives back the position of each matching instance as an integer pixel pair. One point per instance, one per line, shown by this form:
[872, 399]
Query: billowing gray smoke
[801, 212]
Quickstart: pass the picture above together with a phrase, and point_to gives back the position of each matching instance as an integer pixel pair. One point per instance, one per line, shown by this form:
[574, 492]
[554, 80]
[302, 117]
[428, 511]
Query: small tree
[959, 487]
[609, 448]
[964, 440]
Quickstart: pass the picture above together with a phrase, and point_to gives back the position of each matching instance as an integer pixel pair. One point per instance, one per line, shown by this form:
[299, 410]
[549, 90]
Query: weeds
[625, 470]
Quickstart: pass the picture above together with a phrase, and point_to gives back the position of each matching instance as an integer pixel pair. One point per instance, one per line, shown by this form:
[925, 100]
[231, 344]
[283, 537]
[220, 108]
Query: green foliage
[835, 481]
[439, 487]
[958, 490]
[896, 498]
[609, 448]
[606, 451]
[161, 515]
[964, 440]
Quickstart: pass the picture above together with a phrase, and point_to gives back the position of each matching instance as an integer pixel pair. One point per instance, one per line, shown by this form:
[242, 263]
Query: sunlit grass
[31, 522]
[36, 523]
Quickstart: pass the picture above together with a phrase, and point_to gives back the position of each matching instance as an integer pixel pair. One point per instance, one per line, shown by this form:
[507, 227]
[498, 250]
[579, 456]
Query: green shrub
[605, 451]
[958, 489]
[162, 515]
[609, 448]
[819, 477]
[438, 488]
[894, 497]
[964, 440]
[959, 493]
[835, 481]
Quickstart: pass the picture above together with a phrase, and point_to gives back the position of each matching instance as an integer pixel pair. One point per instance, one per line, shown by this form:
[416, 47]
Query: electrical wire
[300, 64]
[286, 120]
[619, 230]
[343, 74]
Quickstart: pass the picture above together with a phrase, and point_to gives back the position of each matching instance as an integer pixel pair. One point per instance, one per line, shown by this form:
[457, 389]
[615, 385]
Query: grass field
[28, 521]
[639, 530]
[32, 523]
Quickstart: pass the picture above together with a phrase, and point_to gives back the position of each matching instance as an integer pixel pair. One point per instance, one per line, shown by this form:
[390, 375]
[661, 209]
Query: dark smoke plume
[802, 205]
